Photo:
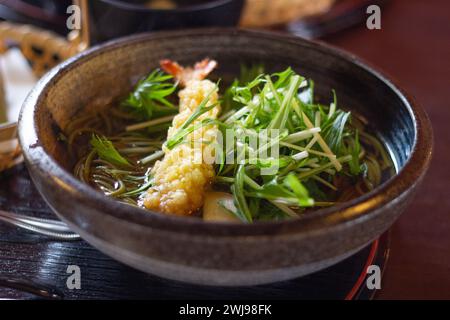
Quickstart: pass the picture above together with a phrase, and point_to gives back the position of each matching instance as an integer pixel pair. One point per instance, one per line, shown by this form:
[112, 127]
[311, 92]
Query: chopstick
[48, 227]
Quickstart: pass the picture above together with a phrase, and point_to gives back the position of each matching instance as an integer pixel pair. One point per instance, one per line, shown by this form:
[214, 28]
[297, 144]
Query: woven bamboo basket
[43, 50]
[264, 13]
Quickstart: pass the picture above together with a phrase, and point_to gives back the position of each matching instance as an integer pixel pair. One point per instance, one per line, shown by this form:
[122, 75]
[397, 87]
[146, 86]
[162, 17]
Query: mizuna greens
[326, 155]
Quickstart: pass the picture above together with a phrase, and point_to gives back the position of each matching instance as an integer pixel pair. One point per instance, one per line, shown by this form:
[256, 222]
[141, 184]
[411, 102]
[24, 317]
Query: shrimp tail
[199, 72]
[172, 68]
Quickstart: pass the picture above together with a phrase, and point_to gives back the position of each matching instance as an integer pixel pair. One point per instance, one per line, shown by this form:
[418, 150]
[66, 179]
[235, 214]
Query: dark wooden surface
[413, 47]
[28, 257]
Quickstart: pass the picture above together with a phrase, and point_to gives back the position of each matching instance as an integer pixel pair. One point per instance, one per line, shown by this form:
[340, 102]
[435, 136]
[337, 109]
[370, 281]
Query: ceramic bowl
[189, 249]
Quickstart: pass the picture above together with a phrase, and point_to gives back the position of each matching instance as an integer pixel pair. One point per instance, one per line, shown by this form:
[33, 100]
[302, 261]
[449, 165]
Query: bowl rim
[355, 211]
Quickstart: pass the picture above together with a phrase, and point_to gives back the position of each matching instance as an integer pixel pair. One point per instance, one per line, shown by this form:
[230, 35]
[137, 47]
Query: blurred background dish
[266, 13]
[46, 14]
[144, 15]
[311, 18]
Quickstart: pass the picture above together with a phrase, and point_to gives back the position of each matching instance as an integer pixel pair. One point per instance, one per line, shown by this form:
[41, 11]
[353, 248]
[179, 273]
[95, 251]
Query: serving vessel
[189, 249]
[135, 17]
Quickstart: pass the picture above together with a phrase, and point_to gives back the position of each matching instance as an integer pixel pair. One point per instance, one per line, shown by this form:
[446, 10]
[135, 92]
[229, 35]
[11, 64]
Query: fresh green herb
[291, 192]
[149, 98]
[355, 166]
[106, 151]
[247, 75]
[178, 137]
[293, 183]
[334, 129]
[138, 191]
[185, 129]
[237, 190]
[279, 121]
[316, 141]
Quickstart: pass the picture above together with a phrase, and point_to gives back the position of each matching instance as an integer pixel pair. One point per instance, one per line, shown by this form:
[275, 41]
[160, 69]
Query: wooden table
[413, 47]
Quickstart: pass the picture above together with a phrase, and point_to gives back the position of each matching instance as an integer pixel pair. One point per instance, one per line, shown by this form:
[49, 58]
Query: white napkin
[18, 80]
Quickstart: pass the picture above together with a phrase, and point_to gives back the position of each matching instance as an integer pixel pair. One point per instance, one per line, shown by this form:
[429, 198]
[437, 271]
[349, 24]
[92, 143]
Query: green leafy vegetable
[320, 158]
[106, 151]
[355, 166]
[237, 189]
[185, 129]
[247, 75]
[178, 137]
[334, 130]
[318, 146]
[149, 98]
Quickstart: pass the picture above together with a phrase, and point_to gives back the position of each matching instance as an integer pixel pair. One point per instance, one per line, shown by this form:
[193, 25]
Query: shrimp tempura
[179, 182]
